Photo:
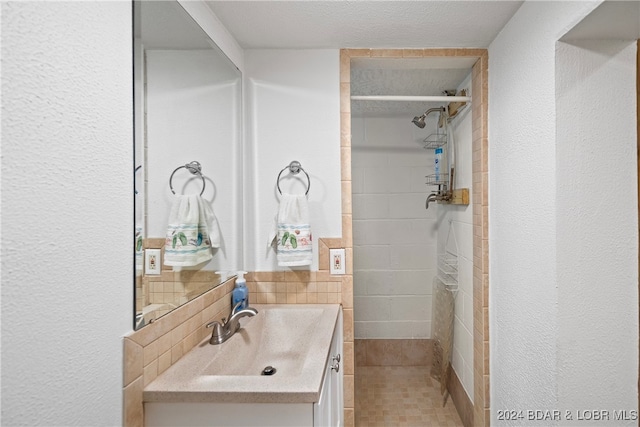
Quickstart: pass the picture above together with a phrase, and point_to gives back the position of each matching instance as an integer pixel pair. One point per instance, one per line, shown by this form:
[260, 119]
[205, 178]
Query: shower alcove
[396, 241]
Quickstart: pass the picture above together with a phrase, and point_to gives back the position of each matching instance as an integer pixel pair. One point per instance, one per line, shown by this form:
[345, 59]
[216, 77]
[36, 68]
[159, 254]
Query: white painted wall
[538, 298]
[193, 109]
[597, 221]
[455, 234]
[210, 24]
[67, 217]
[292, 105]
[394, 236]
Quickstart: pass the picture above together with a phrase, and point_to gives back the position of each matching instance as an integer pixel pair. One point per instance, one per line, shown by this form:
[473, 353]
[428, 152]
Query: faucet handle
[213, 324]
[217, 335]
[236, 308]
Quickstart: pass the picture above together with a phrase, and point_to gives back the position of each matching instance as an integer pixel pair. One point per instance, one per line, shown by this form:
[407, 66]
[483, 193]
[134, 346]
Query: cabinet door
[322, 409]
[336, 372]
[329, 410]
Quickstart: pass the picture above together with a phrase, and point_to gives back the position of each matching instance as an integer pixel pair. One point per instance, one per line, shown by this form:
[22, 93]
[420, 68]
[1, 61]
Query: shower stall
[403, 242]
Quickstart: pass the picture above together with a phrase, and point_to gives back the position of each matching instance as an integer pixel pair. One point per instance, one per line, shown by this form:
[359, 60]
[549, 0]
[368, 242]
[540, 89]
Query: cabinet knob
[335, 367]
[336, 358]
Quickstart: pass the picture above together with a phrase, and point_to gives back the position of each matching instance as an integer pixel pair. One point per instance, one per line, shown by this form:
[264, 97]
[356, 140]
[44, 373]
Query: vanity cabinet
[329, 410]
[324, 409]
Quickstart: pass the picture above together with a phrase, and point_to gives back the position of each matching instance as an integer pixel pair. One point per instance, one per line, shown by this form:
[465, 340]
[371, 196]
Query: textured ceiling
[374, 24]
[360, 23]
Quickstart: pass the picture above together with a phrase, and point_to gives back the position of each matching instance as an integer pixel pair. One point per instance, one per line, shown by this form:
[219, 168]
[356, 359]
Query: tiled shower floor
[397, 396]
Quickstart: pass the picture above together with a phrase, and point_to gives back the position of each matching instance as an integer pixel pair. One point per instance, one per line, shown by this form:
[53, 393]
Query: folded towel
[192, 232]
[139, 236]
[292, 231]
[138, 249]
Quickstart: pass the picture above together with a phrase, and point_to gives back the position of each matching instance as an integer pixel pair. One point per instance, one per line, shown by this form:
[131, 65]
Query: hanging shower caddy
[448, 262]
[444, 178]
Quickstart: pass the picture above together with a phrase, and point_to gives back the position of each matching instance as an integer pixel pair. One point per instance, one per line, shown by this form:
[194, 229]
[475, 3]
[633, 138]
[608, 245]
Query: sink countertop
[211, 373]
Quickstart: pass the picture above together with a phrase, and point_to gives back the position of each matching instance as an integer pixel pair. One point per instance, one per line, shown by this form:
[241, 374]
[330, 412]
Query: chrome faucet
[437, 197]
[432, 198]
[225, 330]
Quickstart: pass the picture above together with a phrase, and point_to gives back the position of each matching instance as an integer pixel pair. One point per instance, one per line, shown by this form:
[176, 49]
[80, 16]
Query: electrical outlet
[152, 262]
[337, 260]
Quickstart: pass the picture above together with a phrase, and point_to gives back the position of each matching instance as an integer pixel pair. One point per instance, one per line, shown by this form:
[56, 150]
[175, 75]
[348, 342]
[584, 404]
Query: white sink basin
[277, 337]
[294, 339]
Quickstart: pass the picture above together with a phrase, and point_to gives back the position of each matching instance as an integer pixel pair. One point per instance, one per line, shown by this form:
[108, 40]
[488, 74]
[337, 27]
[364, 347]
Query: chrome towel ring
[294, 167]
[193, 167]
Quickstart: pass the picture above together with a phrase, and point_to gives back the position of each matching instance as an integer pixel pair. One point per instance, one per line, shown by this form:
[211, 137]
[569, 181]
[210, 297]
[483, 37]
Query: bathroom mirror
[187, 108]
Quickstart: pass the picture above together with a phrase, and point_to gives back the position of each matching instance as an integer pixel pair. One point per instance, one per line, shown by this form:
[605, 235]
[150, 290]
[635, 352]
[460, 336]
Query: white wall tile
[418, 174]
[464, 238]
[359, 284]
[415, 307]
[370, 206]
[371, 257]
[371, 308]
[413, 282]
[419, 257]
[458, 363]
[467, 383]
[392, 329]
[467, 316]
[391, 225]
[357, 180]
[377, 180]
[360, 329]
[357, 130]
[459, 306]
[385, 132]
[379, 282]
[461, 213]
[371, 232]
[409, 206]
[411, 156]
[413, 231]
[400, 179]
[462, 338]
[365, 157]
[421, 329]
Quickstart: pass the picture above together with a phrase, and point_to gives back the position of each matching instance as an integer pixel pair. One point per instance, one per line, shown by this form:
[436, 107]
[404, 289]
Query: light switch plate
[152, 261]
[337, 260]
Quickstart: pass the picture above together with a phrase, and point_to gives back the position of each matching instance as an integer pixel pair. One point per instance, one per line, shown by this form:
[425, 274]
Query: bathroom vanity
[228, 385]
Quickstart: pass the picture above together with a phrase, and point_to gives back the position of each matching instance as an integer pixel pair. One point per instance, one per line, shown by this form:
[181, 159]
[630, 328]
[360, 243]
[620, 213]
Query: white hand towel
[138, 249]
[293, 232]
[192, 232]
[139, 236]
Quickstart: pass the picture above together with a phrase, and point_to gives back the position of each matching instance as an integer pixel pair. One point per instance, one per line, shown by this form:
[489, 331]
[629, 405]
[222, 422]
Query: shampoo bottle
[438, 163]
[240, 292]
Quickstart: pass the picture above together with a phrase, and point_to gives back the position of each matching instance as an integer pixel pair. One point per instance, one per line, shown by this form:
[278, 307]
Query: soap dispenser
[240, 293]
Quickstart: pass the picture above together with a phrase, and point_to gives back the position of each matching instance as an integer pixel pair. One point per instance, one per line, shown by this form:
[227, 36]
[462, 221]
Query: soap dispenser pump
[240, 293]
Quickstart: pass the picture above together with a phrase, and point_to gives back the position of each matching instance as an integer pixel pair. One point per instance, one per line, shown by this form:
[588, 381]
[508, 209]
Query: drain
[269, 370]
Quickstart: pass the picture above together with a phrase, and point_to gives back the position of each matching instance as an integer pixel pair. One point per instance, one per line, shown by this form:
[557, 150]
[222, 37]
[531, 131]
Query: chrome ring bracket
[294, 168]
[195, 168]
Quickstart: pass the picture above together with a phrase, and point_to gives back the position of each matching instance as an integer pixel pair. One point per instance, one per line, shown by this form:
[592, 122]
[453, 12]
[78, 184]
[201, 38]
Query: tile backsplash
[151, 350]
[170, 288]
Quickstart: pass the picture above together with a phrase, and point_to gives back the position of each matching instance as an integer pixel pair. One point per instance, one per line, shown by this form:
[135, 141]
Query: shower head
[419, 121]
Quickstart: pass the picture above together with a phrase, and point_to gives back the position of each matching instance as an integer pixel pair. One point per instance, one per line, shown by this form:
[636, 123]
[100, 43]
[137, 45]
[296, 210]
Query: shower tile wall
[458, 221]
[394, 237]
